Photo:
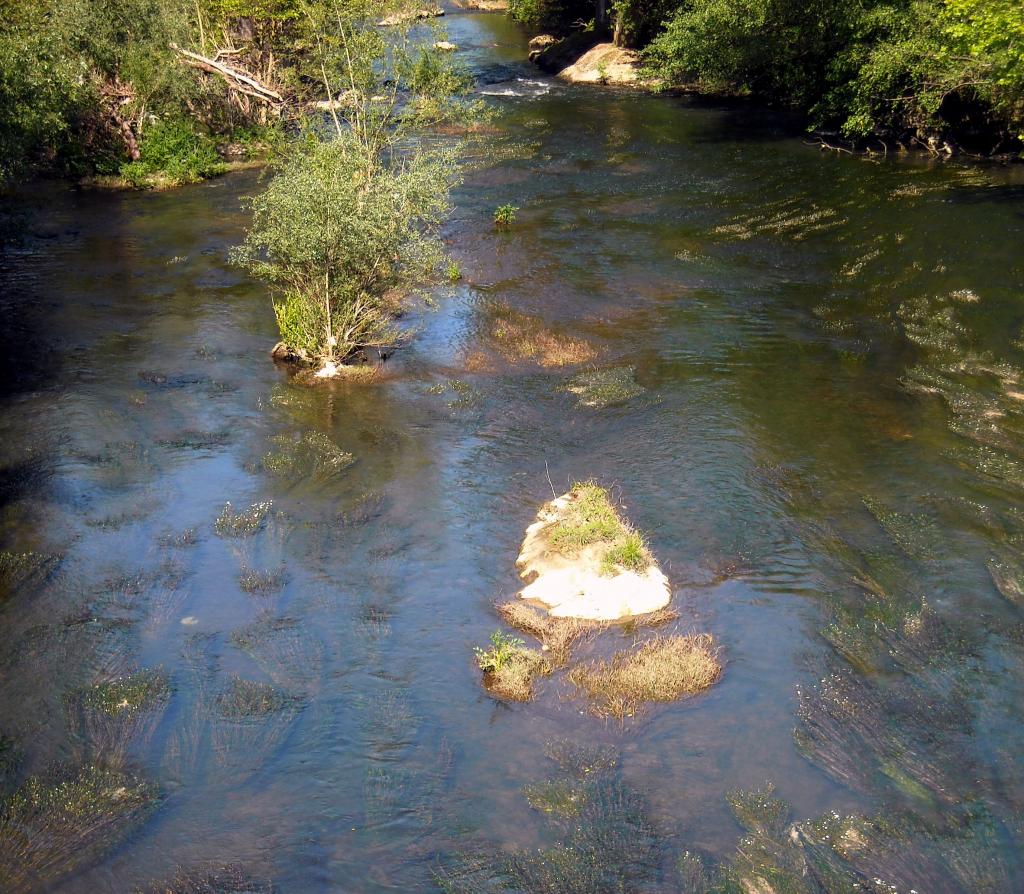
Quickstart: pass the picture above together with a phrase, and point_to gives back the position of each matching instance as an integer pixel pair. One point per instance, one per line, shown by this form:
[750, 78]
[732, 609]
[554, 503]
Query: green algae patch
[127, 695]
[53, 825]
[602, 388]
[231, 523]
[661, 669]
[310, 454]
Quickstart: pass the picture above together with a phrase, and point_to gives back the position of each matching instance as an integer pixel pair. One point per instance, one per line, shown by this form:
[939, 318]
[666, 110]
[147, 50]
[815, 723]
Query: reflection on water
[805, 378]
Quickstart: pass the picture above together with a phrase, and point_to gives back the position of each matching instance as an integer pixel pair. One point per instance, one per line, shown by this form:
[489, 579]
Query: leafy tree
[348, 224]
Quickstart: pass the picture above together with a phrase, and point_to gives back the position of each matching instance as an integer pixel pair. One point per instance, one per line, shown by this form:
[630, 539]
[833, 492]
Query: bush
[339, 241]
[173, 152]
[551, 15]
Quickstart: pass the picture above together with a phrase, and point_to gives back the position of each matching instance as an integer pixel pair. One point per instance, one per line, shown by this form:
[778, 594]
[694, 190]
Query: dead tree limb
[237, 80]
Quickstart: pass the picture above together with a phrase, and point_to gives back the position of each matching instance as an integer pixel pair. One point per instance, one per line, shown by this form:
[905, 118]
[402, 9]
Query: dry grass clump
[557, 635]
[510, 668]
[52, 825]
[519, 336]
[662, 669]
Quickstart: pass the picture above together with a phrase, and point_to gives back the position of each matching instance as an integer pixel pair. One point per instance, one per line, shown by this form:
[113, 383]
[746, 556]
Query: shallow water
[827, 455]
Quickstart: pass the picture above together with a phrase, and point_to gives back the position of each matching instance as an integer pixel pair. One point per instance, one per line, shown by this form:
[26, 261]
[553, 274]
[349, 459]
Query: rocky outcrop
[483, 5]
[425, 12]
[581, 59]
[580, 583]
[604, 64]
[553, 55]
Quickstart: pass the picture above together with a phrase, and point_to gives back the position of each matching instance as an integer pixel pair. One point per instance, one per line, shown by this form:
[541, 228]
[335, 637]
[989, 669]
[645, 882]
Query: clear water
[827, 455]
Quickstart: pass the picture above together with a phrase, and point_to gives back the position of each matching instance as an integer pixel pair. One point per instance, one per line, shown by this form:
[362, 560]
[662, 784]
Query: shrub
[173, 152]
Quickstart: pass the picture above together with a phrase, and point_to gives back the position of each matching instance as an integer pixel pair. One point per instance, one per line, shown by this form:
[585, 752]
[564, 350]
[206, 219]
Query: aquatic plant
[241, 524]
[453, 272]
[557, 635]
[911, 733]
[604, 839]
[661, 669]
[605, 387]
[261, 582]
[509, 667]
[53, 824]
[230, 879]
[758, 810]
[247, 699]
[310, 454]
[520, 336]
[285, 650]
[24, 569]
[505, 215]
[113, 713]
[253, 719]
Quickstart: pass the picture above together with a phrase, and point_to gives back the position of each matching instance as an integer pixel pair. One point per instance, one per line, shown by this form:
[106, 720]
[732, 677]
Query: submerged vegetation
[53, 824]
[661, 669]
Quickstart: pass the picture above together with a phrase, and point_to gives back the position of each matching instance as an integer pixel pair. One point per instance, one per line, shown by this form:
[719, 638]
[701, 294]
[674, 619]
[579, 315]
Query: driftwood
[238, 81]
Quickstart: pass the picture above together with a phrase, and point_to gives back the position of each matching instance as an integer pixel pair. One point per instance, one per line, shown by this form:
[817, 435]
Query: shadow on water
[239, 613]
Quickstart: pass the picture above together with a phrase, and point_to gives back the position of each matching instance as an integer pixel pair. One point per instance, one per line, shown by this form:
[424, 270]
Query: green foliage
[173, 152]
[630, 553]
[550, 15]
[503, 649]
[348, 225]
[899, 68]
[505, 215]
[340, 236]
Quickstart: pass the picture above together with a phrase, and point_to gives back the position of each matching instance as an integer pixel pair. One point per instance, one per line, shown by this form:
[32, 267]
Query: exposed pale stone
[605, 64]
[574, 586]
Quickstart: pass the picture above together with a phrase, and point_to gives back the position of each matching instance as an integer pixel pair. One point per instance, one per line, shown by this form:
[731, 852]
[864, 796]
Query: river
[822, 433]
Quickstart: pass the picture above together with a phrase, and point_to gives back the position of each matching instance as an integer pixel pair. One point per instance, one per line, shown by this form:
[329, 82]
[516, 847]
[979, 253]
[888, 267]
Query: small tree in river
[348, 224]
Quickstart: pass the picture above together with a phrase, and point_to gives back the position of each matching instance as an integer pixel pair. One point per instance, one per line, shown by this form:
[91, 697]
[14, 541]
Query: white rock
[574, 587]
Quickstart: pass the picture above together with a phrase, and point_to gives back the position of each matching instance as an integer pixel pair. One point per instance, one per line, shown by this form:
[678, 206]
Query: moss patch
[662, 669]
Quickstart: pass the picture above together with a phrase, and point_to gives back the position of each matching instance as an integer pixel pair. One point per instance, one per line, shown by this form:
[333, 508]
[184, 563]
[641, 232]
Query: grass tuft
[519, 336]
[592, 519]
[510, 668]
[662, 669]
[557, 635]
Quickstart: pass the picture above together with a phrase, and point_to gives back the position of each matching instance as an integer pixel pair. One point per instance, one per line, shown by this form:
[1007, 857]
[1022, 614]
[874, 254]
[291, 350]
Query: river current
[817, 418]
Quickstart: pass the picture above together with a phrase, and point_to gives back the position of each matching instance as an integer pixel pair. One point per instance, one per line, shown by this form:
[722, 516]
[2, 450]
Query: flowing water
[817, 415]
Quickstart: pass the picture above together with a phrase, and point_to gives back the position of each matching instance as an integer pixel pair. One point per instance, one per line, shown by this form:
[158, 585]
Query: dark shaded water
[827, 454]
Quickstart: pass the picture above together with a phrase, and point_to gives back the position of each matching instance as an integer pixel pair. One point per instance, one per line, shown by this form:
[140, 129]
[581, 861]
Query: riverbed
[819, 425]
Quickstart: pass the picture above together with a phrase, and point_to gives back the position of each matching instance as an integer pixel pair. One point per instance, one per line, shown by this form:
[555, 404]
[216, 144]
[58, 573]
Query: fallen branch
[237, 80]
